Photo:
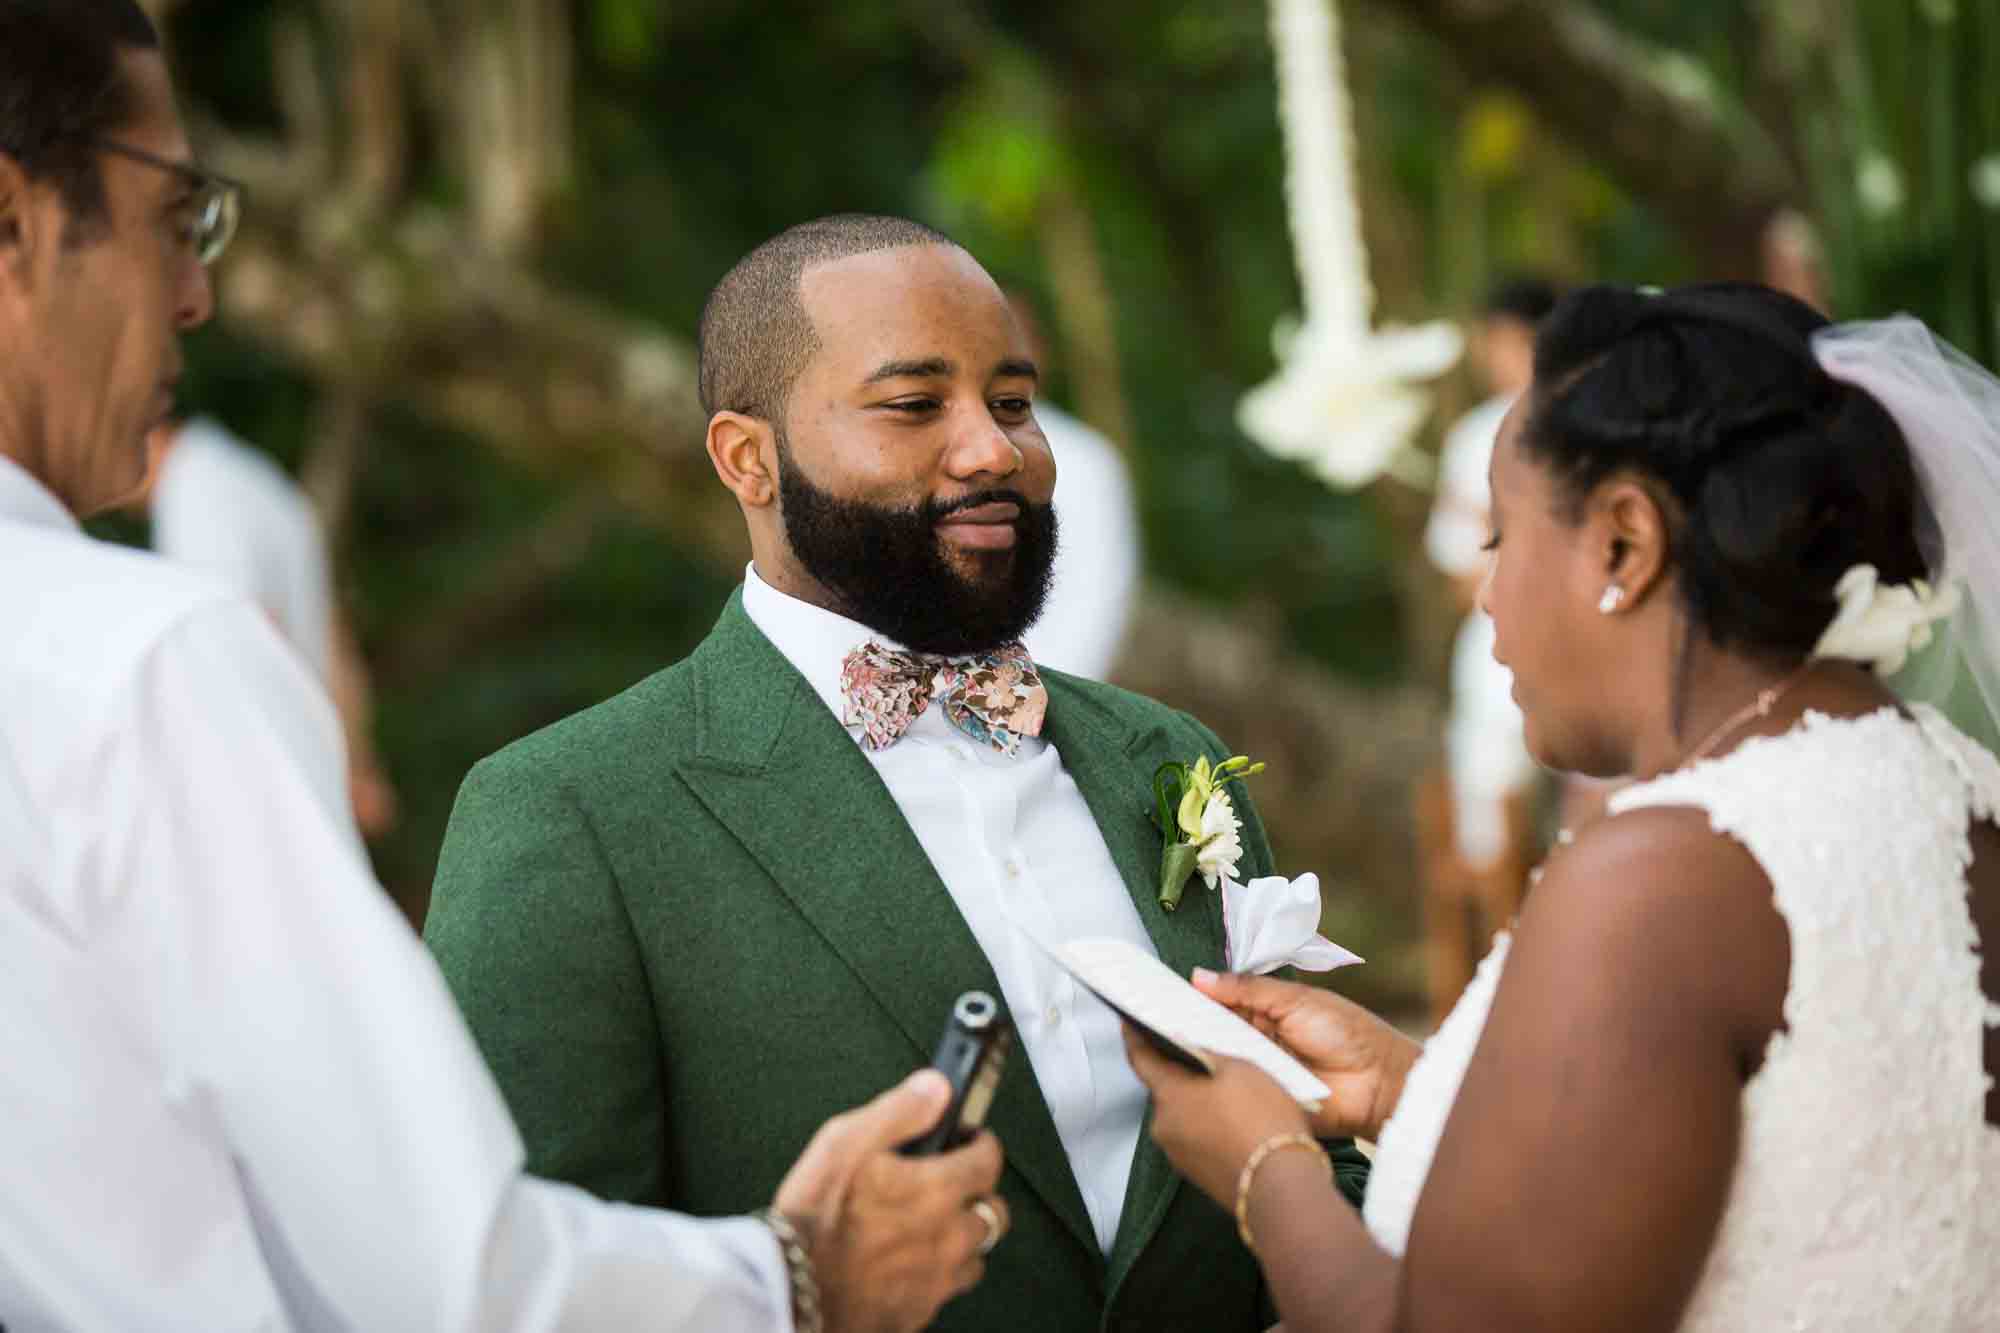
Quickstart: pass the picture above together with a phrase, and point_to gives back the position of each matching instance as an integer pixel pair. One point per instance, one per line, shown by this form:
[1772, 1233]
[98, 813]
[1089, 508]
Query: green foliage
[1914, 102]
[705, 127]
[626, 33]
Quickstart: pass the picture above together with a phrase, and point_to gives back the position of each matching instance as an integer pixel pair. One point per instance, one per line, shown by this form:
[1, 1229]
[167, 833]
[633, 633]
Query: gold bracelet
[1248, 1177]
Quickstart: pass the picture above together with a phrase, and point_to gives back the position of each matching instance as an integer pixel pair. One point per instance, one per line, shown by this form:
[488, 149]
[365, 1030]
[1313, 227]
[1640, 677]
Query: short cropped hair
[61, 88]
[756, 336]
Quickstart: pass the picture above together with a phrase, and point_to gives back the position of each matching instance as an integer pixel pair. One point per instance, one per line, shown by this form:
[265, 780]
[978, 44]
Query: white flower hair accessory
[1882, 624]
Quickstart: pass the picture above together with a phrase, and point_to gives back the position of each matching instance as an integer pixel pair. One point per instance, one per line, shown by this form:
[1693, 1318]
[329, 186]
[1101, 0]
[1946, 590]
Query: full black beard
[887, 567]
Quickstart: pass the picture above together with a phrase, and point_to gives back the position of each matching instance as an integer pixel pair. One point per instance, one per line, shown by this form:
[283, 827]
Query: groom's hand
[893, 1238]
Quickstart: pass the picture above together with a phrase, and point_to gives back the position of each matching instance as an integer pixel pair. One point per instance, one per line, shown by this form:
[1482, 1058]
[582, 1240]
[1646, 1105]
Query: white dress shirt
[223, 508]
[235, 1093]
[1097, 560]
[1455, 536]
[1485, 739]
[1018, 850]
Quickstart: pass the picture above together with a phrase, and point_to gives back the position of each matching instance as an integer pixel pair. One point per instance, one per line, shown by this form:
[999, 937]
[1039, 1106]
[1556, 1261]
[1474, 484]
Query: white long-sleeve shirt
[1485, 744]
[234, 1092]
[1016, 846]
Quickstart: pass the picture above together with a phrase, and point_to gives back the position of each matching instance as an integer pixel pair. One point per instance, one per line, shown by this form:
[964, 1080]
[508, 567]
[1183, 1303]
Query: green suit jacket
[690, 924]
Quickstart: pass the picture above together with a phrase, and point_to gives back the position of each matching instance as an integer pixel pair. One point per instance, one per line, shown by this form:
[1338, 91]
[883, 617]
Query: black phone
[972, 1054]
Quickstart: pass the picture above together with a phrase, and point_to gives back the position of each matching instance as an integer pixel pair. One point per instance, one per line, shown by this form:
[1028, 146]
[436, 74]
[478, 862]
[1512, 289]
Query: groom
[688, 924]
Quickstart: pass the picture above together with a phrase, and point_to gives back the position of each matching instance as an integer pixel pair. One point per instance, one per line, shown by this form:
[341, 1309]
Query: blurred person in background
[1792, 259]
[1477, 818]
[236, 1094]
[220, 506]
[223, 507]
[1098, 562]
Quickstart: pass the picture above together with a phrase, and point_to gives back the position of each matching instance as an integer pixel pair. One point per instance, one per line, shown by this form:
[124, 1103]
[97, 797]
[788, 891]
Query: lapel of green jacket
[1113, 764]
[775, 767]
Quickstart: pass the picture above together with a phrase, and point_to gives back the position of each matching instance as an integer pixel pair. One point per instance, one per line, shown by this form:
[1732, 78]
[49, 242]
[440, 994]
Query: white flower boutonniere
[1199, 823]
[1882, 624]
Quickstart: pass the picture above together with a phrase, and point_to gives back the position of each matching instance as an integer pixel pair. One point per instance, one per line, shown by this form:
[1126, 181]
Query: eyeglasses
[212, 209]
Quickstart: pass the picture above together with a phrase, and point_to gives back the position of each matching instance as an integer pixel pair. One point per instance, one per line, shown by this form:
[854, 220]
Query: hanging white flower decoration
[1345, 399]
[1347, 407]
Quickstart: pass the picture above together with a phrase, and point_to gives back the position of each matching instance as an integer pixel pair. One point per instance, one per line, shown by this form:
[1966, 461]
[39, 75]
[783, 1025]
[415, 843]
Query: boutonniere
[1199, 823]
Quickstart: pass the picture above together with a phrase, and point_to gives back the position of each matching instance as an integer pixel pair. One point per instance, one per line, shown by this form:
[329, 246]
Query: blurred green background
[480, 232]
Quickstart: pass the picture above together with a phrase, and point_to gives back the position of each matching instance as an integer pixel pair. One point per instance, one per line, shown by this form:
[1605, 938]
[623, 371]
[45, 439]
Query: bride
[1734, 1068]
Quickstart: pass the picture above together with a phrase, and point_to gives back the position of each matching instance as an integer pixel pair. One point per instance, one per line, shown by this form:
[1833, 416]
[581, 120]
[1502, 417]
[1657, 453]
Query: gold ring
[984, 1210]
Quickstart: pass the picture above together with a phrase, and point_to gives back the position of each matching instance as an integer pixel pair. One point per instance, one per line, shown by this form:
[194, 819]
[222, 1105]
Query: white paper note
[1143, 988]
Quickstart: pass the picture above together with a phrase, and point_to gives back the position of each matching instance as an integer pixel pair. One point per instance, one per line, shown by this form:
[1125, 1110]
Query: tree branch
[372, 42]
[1087, 312]
[338, 444]
[511, 590]
[1713, 173]
[478, 344]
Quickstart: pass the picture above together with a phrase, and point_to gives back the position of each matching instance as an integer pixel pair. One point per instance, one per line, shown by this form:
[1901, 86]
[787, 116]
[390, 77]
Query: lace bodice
[1867, 1187]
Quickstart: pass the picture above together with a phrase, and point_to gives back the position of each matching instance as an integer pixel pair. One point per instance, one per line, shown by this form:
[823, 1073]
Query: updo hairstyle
[1776, 478]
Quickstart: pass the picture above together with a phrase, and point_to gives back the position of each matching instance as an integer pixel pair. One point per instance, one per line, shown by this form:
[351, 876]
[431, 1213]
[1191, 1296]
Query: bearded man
[686, 923]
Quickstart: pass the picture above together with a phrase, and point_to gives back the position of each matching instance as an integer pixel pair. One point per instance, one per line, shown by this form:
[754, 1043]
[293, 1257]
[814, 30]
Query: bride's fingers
[1255, 998]
[1146, 1062]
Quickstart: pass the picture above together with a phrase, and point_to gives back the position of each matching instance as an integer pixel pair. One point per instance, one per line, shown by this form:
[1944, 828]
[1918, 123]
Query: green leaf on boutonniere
[1185, 796]
[1177, 863]
[1167, 780]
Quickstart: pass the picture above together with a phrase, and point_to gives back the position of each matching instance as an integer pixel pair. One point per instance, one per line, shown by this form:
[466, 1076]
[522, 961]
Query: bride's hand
[1360, 1058]
[1208, 1126]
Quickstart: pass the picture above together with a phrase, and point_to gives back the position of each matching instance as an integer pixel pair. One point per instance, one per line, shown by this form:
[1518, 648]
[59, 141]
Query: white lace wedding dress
[1867, 1190]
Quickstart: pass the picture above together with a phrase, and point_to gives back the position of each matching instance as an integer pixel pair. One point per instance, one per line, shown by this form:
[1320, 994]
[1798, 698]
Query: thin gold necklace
[1759, 707]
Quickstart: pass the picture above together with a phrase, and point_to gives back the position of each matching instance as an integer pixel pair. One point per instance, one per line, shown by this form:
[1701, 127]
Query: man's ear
[743, 452]
[1630, 526]
[28, 225]
[14, 222]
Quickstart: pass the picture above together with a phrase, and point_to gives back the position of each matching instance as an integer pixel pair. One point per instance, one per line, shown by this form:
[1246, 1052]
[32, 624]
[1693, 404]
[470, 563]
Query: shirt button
[1054, 1016]
[1013, 868]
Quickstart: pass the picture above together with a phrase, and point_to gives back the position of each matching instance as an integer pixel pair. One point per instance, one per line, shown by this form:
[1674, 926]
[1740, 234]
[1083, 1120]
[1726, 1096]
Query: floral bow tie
[995, 698]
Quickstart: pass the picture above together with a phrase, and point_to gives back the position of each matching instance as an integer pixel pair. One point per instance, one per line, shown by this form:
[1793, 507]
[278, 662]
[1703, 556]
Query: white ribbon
[1274, 922]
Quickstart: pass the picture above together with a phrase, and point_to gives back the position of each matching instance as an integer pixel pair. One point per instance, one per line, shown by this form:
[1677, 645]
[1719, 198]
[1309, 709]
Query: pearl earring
[1614, 597]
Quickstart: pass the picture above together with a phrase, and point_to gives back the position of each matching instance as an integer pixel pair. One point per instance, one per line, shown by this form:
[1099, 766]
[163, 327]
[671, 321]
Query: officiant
[236, 1094]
